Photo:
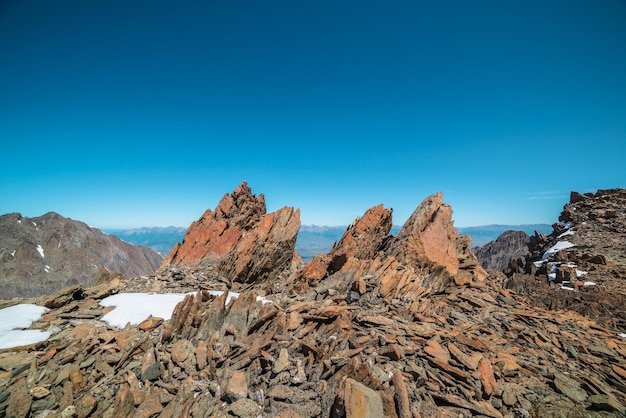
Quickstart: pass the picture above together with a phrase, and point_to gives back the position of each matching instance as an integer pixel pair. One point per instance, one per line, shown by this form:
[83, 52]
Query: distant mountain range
[160, 239]
[312, 239]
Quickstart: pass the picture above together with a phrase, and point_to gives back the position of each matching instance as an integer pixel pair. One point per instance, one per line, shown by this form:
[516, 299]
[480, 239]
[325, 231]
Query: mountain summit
[380, 326]
[41, 255]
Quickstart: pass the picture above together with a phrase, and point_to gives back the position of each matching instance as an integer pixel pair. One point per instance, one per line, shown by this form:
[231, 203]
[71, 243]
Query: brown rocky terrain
[41, 255]
[588, 275]
[406, 326]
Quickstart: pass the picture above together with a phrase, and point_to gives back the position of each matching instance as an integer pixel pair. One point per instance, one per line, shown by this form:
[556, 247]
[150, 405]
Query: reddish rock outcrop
[427, 255]
[239, 240]
[362, 240]
[428, 237]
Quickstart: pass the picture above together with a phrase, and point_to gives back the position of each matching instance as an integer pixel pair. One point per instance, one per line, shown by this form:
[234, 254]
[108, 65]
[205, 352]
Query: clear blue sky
[144, 113]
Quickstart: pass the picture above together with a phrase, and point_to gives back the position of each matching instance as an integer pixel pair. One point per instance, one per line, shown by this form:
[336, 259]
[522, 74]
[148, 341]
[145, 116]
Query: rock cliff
[406, 326]
[41, 255]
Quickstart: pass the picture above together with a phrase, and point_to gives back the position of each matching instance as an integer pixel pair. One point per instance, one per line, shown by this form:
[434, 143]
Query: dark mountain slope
[41, 255]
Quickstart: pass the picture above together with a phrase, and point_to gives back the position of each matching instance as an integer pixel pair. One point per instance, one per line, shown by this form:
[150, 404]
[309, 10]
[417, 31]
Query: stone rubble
[406, 326]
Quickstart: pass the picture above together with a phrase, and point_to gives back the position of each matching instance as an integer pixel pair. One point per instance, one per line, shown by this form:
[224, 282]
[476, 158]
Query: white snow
[581, 273]
[136, 307]
[13, 253]
[47, 269]
[590, 283]
[40, 249]
[34, 224]
[561, 245]
[19, 221]
[13, 318]
[567, 288]
[622, 335]
[568, 232]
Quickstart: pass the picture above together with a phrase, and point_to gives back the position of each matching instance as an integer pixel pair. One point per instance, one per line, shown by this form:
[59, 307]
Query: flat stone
[486, 377]
[282, 363]
[606, 403]
[245, 408]
[39, 392]
[569, 387]
[361, 401]
[237, 387]
[85, 405]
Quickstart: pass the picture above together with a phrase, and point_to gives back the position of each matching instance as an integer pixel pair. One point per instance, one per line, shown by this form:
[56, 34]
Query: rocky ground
[410, 326]
[589, 275]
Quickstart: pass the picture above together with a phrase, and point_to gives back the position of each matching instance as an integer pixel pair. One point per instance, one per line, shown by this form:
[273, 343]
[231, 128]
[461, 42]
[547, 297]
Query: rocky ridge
[41, 255]
[581, 265]
[406, 326]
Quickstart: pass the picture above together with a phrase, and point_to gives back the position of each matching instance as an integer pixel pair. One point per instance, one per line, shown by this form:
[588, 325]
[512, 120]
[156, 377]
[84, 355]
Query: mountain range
[404, 325]
[43, 254]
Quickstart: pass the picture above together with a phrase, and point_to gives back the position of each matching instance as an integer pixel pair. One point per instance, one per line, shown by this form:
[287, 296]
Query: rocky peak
[361, 241]
[510, 245]
[239, 209]
[239, 240]
[428, 237]
[426, 256]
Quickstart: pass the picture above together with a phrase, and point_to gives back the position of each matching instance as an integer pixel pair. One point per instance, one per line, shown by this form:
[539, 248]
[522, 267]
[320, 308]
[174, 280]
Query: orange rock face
[362, 240]
[429, 237]
[427, 255]
[238, 238]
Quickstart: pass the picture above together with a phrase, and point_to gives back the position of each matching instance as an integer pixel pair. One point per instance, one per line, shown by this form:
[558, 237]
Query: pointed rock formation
[362, 240]
[239, 240]
[428, 237]
[427, 255]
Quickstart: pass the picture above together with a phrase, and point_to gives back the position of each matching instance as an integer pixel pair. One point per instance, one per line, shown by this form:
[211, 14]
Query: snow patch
[567, 288]
[13, 253]
[561, 245]
[19, 221]
[622, 335]
[40, 249]
[590, 283]
[568, 232]
[12, 321]
[47, 269]
[136, 307]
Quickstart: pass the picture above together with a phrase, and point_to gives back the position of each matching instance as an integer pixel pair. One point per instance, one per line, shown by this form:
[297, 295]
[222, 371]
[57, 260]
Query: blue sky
[144, 113]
